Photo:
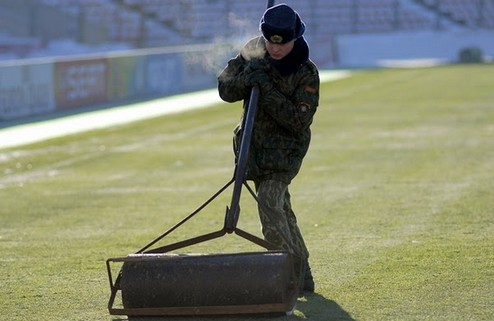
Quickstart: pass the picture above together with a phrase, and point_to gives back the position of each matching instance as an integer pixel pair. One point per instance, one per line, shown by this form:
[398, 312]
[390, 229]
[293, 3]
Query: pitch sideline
[35, 132]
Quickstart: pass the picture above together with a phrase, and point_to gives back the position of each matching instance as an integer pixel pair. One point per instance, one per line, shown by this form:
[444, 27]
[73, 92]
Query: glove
[259, 78]
[255, 64]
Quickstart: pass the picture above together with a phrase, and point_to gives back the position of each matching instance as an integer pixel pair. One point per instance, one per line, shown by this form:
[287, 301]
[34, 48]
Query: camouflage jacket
[281, 134]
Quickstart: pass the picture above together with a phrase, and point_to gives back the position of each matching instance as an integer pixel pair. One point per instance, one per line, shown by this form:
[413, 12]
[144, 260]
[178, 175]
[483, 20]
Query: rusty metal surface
[165, 284]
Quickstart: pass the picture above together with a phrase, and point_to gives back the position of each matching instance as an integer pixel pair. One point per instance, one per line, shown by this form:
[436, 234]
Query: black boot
[308, 280]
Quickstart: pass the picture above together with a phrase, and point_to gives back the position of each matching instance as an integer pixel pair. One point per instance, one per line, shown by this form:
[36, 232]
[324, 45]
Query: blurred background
[63, 54]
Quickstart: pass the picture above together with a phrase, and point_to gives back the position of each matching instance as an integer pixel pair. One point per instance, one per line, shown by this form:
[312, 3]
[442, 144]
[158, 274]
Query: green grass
[395, 200]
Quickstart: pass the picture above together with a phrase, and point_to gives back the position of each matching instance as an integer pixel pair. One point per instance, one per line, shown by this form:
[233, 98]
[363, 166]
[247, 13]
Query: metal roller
[208, 284]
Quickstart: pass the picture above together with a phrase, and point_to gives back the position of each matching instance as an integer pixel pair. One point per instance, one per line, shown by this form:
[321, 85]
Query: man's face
[278, 51]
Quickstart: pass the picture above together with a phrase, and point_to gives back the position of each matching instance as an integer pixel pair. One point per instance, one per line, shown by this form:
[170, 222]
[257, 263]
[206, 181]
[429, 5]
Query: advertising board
[25, 90]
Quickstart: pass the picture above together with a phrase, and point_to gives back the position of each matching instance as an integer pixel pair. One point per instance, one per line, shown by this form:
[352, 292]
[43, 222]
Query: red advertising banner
[80, 82]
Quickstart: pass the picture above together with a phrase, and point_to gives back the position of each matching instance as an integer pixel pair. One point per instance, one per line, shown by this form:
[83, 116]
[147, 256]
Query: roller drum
[150, 281]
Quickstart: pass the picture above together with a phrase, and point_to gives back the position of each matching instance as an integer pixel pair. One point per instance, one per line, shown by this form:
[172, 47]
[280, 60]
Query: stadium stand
[151, 23]
[473, 13]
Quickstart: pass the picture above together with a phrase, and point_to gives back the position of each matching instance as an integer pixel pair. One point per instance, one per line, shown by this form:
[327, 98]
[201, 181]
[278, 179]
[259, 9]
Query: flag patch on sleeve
[310, 89]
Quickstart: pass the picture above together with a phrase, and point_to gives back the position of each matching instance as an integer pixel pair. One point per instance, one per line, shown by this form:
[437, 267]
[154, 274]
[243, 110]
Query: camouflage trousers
[279, 224]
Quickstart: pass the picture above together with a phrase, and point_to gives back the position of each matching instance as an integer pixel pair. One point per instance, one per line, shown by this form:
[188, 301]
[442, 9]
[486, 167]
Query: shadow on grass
[312, 307]
[315, 307]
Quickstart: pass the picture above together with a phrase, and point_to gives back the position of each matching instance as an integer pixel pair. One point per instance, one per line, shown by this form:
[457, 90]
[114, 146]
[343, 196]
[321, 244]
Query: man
[278, 63]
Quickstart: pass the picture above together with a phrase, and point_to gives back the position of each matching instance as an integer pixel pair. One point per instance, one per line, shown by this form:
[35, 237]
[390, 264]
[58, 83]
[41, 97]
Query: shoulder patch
[311, 89]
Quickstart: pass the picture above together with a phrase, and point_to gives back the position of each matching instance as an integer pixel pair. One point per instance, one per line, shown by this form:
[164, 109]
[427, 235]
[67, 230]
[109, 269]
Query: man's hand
[255, 64]
[256, 75]
[259, 78]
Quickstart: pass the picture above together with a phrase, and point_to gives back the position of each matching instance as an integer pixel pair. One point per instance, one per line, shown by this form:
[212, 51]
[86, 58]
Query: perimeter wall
[39, 86]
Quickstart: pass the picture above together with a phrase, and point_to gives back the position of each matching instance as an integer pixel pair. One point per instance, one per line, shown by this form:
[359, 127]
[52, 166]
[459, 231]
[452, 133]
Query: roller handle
[233, 212]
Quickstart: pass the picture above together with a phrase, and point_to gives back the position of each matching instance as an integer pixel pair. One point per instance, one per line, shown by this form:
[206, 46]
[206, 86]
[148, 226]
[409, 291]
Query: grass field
[395, 199]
